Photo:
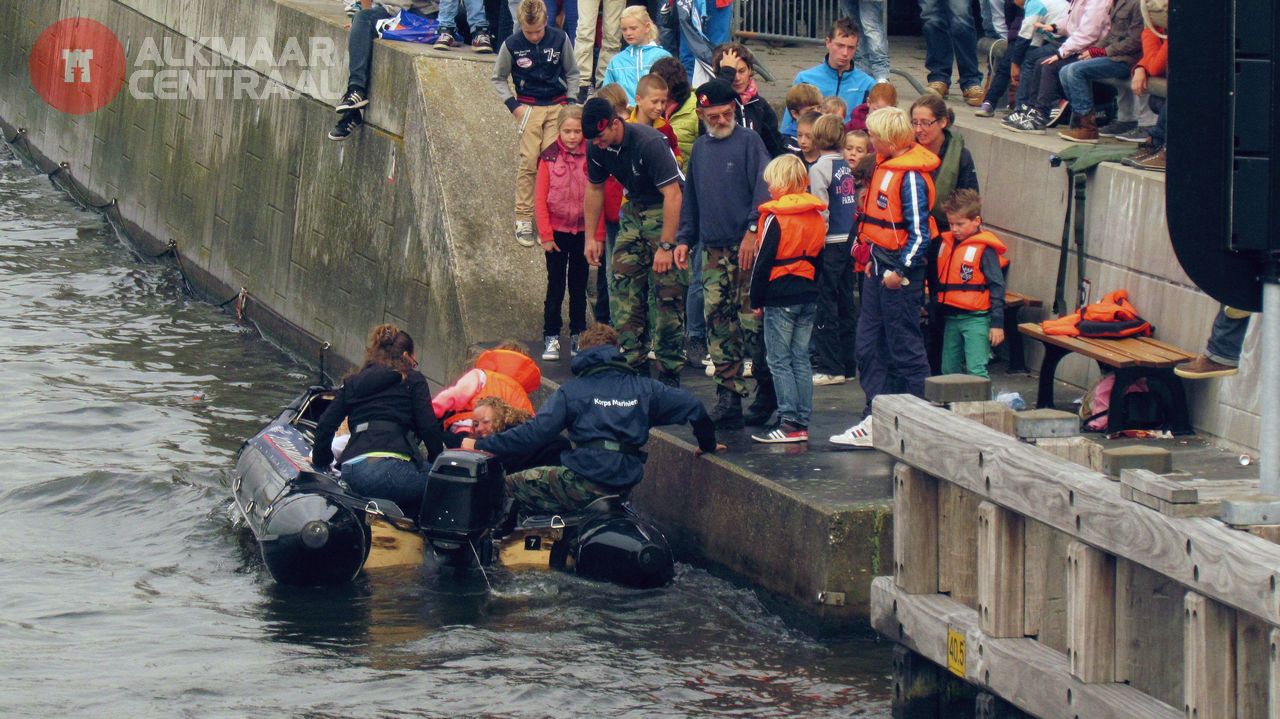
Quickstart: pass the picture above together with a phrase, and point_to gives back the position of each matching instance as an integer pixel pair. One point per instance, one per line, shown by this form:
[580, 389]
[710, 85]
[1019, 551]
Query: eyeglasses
[923, 123]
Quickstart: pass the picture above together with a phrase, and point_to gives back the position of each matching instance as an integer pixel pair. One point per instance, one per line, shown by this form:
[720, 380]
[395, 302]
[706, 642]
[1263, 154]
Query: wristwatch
[753, 227]
[666, 246]
[886, 274]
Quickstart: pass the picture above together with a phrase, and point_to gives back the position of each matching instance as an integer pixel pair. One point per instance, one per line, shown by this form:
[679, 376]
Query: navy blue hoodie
[605, 401]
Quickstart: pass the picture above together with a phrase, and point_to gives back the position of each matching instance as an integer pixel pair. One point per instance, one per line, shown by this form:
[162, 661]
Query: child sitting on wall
[970, 287]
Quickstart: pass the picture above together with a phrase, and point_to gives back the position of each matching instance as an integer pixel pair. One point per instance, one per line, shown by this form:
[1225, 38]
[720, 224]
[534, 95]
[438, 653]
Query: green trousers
[965, 344]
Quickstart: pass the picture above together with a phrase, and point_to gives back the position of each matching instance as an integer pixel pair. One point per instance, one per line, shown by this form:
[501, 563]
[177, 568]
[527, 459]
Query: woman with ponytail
[388, 406]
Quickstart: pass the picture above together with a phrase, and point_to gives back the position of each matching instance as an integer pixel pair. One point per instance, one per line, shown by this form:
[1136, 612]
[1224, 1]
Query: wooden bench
[1131, 358]
[1013, 304]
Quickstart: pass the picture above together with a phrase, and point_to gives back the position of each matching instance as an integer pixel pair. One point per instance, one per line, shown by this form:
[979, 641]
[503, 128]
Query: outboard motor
[463, 501]
[619, 547]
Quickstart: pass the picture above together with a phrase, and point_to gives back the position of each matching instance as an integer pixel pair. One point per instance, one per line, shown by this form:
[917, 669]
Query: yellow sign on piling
[955, 652]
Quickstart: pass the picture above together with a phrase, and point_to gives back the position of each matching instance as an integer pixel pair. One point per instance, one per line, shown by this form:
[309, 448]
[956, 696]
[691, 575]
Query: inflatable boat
[313, 530]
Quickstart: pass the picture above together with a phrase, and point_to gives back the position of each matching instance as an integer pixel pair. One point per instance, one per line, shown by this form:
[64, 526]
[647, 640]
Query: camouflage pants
[547, 490]
[633, 278]
[731, 328]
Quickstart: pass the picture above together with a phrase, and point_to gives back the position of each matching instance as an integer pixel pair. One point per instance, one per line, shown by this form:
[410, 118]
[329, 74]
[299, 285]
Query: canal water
[128, 590]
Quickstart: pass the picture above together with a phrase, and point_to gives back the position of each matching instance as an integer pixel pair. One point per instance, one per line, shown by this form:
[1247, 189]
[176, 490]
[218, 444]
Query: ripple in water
[128, 591]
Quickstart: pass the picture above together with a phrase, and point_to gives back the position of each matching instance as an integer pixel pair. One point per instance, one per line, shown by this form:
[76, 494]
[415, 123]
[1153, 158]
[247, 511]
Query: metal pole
[1269, 434]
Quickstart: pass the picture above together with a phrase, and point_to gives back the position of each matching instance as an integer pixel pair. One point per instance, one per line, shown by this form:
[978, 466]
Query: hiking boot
[1204, 368]
[482, 42]
[973, 95]
[762, 407]
[1136, 135]
[938, 88]
[781, 433]
[985, 110]
[727, 413]
[346, 125]
[1056, 113]
[670, 379]
[550, 348]
[446, 40]
[1154, 161]
[1086, 130]
[821, 379]
[1116, 128]
[524, 233]
[1031, 123]
[353, 100]
[859, 436]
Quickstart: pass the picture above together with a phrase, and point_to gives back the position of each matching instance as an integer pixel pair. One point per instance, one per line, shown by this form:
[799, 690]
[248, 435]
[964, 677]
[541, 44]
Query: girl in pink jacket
[1075, 39]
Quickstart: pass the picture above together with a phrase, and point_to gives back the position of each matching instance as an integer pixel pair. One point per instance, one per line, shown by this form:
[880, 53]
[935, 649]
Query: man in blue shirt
[835, 75]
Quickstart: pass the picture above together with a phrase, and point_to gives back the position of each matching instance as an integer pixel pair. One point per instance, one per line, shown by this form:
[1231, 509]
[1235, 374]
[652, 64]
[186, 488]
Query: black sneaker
[482, 42]
[445, 41]
[782, 433]
[583, 93]
[347, 124]
[1059, 112]
[1031, 124]
[1116, 128]
[353, 100]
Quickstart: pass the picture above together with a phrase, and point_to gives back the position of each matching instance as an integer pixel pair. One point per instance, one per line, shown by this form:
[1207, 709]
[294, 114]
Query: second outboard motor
[463, 501]
[620, 547]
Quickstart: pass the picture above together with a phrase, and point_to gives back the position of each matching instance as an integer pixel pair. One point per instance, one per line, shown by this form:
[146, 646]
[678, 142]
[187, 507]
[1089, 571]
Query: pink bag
[1097, 401]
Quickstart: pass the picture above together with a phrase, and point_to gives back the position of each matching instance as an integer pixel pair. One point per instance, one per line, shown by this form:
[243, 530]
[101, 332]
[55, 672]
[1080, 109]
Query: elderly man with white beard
[723, 192]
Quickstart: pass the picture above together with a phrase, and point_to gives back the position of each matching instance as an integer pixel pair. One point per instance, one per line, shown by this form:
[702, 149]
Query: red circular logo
[77, 65]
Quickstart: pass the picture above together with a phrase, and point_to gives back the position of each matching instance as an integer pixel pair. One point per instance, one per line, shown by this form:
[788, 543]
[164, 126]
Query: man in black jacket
[607, 410]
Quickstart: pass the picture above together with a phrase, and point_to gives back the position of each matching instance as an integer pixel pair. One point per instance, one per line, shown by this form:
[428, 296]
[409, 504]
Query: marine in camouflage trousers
[633, 278]
[553, 489]
[732, 331]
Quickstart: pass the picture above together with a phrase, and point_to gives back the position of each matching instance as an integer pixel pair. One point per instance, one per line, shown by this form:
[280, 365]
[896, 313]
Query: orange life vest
[1114, 317]
[882, 222]
[509, 376]
[961, 282]
[803, 234]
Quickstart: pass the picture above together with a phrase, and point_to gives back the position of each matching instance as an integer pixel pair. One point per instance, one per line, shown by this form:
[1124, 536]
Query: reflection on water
[129, 591]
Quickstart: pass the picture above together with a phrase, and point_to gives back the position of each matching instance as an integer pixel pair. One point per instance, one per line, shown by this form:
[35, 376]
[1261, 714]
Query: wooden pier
[1029, 573]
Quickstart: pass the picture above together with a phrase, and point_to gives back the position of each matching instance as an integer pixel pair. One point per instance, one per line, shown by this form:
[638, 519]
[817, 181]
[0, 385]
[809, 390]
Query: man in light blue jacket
[835, 75]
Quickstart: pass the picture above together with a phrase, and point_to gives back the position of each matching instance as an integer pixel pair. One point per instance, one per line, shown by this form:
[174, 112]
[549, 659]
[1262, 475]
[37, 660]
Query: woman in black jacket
[735, 64]
[388, 406]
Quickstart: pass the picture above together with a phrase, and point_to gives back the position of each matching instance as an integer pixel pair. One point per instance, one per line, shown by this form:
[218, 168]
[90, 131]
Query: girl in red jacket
[561, 185]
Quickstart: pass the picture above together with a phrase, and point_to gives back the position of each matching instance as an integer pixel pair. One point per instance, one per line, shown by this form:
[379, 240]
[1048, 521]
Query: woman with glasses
[387, 404]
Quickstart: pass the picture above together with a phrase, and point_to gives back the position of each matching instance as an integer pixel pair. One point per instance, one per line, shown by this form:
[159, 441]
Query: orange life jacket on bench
[1112, 318]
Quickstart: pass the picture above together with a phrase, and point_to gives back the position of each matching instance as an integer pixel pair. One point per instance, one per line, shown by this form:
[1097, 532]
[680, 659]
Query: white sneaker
[711, 370]
[821, 379]
[746, 368]
[859, 435]
[551, 348]
[524, 233]
[652, 355]
[706, 361]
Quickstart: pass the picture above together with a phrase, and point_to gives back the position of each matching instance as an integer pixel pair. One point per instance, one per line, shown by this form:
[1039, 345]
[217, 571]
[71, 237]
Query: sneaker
[1116, 128]
[1030, 124]
[746, 368]
[859, 435]
[1204, 368]
[445, 41]
[1136, 135]
[353, 100]
[583, 93]
[781, 433]
[706, 361]
[573, 345]
[1154, 161]
[938, 88]
[986, 110]
[1015, 116]
[346, 125]
[482, 42]
[973, 95]
[652, 355]
[524, 233]
[551, 348]
[821, 379]
[1058, 113]
[353, 7]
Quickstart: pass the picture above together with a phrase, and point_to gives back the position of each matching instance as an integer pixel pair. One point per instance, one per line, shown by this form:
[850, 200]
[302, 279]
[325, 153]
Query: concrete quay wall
[408, 221]
[1127, 246]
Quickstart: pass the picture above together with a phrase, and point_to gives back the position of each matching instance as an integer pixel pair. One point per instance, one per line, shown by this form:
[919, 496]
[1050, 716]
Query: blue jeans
[695, 325]
[873, 51]
[949, 36]
[716, 23]
[360, 46]
[1158, 133]
[388, 478]
[570, 16]
[889, 344]
[1029, 81]
[1077, 79]
[786, 344]
[1227, 336]
[476, 19]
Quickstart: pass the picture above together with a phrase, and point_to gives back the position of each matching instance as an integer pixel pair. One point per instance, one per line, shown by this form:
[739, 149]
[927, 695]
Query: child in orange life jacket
[970, 287]
[894, 219]
[784, 292]
[506, 372]
[561, 186]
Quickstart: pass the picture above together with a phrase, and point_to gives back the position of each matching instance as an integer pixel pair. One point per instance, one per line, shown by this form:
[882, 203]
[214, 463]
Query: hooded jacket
[605, 400]
[1087, 23]
[632, 63]
[379, 394]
